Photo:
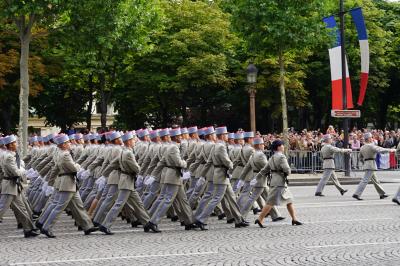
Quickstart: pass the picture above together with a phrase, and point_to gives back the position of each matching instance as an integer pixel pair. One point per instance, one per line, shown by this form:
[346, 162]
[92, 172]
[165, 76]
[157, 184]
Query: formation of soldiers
[185, 174]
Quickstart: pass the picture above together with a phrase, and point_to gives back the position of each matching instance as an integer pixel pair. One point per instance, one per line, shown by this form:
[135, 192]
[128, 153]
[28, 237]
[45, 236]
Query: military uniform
[260, 188]
[12, 189]
[328, 152]
[67, 187]
[368, 155]
[172, 188]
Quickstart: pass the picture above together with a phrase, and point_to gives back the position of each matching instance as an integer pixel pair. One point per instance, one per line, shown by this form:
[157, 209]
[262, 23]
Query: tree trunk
[24, 94]
[90, 104]
[283, 100]
[25, 35]
[103, 103]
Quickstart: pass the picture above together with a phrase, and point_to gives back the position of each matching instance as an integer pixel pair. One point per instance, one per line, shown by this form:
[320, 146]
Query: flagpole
[344, 89]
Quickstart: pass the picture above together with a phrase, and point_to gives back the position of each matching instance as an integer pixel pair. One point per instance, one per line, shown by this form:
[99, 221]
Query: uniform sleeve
[68, 163]
[130, 162]
[224, 157]
[245, 170]
[285, 165]
[113, 165]
[176, 157]
[12, 168]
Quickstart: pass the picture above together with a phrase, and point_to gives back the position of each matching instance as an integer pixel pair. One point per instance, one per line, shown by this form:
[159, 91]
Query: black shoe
[259, 223]
[47, 233]
[296, 223]
[277, 219]
[383, 196]
[241, 224]
[104, 230]
[150, 226]
[174, 218]
[230, 221]
[396, 201]
[128, 221]
[135, 224]
[221, 216]
[96, 224]
[30, 233]
[343, 191]
[35, 216]
[190, 227]
[19, 226]
[69, 213]
[319, 194]
[357, 197]
[201, 226]
[255, 211]
[94, 229]
[80, 228]
[182, 223]
[213, 214]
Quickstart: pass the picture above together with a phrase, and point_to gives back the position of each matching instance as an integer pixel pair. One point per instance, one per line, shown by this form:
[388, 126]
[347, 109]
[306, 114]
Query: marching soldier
[279, 192]
[67, 170]
[127, 194]
[328, 152]
[12, 189]
[368, 155]
[221, 163]
[260, 188]
[172, 191]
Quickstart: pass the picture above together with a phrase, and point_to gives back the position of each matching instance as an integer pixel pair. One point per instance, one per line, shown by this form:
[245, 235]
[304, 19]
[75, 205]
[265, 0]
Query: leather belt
[328, 158]
[369, 159]
[16, 180]
[71, 173]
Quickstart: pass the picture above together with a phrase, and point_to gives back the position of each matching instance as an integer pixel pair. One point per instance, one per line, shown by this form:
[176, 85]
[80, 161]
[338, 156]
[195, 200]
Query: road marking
[355, 244]
[112, 258]
[347, 204]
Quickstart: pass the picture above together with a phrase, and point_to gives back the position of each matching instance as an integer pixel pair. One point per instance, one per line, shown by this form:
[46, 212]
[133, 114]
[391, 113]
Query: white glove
[49, 191]
[239, 184]
[100, 179]
[101, 182]
[149, 180]
[253, 182]
[200, 182]
[230, 176]
[139, 181]
[186, 175]
[44, 186]
[393, 150]
[80, 172]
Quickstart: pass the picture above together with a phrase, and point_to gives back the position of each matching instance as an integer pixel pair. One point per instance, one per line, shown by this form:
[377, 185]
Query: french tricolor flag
[335, 57]
[358, 20]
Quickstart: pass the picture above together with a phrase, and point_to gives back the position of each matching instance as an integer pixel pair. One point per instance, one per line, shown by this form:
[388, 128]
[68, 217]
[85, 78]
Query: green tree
[25, 15]
[185, 76]
[278, 28]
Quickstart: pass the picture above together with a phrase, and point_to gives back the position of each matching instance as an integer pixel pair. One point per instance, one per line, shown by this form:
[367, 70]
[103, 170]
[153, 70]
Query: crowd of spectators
[310, 140]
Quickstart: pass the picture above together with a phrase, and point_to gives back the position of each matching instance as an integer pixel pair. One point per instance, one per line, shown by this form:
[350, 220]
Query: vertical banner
[358, 20]
[335, 57]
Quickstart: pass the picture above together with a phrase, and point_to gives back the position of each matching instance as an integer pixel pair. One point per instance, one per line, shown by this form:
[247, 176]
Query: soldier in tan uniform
[328, 152]
[219, 158]
[172, 191]
[12, 189]
[110, 192]
[67, 170]
[127, 194]
[259, 186]
[368, 155]
[279, 192]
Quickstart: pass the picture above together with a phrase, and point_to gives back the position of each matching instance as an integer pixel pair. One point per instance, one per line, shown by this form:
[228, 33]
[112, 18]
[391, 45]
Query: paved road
[338, 231]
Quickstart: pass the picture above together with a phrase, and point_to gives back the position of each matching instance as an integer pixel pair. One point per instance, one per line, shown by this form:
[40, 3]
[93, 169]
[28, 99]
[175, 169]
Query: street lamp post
[252, 79]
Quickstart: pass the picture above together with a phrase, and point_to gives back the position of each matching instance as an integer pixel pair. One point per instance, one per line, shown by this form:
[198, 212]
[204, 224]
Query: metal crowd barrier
[311, 161]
